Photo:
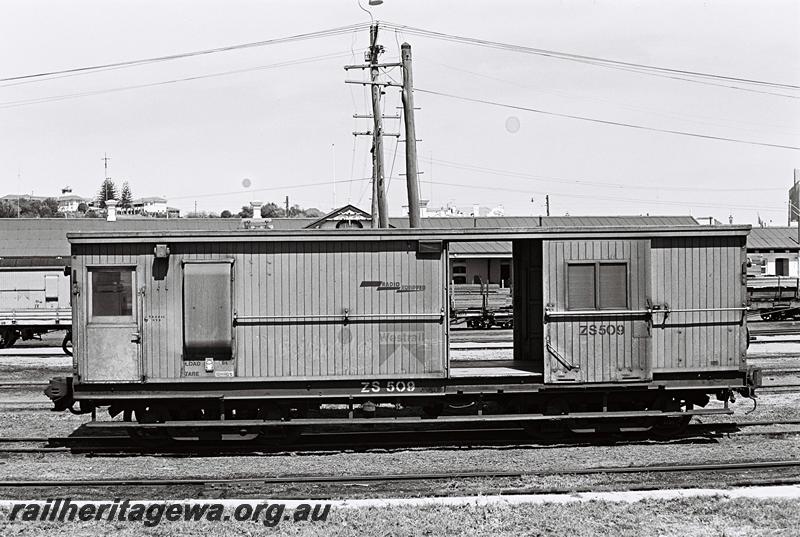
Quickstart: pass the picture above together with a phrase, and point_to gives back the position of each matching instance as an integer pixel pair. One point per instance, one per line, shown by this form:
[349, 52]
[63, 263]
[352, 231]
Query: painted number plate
[388, 386]
[601, 330]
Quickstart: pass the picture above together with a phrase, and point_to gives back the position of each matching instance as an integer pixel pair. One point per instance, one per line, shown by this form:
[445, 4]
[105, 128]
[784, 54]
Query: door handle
[136, 337]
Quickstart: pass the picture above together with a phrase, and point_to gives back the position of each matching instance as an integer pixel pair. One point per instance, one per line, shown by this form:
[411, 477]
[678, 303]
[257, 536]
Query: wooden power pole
[411, 137]
[377, 130]
[380, 211]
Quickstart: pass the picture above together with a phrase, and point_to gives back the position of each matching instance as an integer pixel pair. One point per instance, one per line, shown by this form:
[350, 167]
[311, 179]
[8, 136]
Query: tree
[28, 208]
[82, 207]
[226, 214]
[8, 210]
[246, 212]
[126, 198]
[49, 209]
[271, 210]
[108, 191]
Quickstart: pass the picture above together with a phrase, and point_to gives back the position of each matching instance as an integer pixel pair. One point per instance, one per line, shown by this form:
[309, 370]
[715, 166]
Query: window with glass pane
[613, 286]
[580, 286]
[112, 292]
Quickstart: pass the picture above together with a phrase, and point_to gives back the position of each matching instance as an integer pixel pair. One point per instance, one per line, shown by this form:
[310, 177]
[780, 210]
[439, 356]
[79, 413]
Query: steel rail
[293, 479]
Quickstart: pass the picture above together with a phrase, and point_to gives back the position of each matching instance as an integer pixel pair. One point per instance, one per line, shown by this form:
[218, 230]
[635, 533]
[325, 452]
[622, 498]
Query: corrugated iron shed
[772, 238]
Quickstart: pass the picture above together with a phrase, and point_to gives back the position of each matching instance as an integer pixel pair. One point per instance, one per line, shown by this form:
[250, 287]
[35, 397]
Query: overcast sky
[290, 124]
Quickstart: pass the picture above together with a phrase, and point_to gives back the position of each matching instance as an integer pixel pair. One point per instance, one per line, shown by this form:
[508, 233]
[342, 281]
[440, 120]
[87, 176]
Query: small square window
[112, 292]
[597, 285]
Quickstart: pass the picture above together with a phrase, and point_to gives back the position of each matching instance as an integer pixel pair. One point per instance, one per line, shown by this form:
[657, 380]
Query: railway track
[394, 481]
[121, 443]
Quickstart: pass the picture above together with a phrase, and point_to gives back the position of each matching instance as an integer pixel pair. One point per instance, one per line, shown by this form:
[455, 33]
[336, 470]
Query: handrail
[343, 317]
[649, 311]
[698, 310]
[561, 359]
[593, 313]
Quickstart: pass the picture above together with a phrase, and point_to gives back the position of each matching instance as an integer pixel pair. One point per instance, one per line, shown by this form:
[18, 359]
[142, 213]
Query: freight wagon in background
[34, 299]
[631, 326]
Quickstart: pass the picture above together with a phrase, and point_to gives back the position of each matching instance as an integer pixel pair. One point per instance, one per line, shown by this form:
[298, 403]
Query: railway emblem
[407, 338]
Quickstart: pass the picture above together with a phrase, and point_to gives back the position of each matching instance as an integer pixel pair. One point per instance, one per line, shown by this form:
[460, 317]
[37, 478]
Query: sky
[279, 117]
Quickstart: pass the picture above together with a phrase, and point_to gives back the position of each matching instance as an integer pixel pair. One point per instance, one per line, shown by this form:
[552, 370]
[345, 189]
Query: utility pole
[333, 178]
[380, 212]
[411, 137]
[105, 160]
[547, 204]
[287, 206]
[377, 127]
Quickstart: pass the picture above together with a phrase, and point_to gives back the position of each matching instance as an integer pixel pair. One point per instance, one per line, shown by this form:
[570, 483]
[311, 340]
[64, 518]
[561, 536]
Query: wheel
[152, 414]
[66, 345]
[669, 427]
[8, 336]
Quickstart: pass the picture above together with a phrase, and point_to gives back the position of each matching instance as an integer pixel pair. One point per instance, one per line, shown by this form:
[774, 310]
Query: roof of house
[341, 210]
[15, 197]
[773, 238]
[151, 199]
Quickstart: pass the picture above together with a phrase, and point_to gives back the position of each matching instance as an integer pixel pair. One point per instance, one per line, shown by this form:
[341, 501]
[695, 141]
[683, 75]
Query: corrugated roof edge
[474, 234]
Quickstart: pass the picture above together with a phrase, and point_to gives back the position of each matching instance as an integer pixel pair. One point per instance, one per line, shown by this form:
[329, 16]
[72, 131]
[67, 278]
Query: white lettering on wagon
[398, 287]
[197, 368]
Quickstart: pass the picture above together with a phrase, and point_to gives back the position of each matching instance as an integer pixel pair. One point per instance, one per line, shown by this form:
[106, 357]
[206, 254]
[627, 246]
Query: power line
[267, 189]
[605, 121]
[550, 179]
[55, 98]
[609, 198]
[594, 60]
[693, 118]
[171, 57]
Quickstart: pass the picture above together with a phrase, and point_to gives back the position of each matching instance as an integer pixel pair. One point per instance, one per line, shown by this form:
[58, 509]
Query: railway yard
[434, 479]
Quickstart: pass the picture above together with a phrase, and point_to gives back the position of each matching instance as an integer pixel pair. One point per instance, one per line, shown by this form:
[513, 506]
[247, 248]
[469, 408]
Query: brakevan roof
[448, 235]
[20, 237]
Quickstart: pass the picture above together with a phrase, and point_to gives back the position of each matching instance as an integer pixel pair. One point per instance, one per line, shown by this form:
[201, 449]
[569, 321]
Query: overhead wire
[494, 188]
[171, 57]
[266, 189]
[699, 119]
[598, 61]
[68, 96]
[605, 121]
[584, 182]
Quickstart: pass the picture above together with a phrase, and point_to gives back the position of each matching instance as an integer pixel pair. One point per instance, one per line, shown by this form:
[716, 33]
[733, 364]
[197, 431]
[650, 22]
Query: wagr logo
[380, 285]
[410, 339]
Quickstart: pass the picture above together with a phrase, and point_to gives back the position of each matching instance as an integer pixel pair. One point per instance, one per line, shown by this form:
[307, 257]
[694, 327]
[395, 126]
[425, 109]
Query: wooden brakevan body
[631, 309]
[626, 314]
[259, 309]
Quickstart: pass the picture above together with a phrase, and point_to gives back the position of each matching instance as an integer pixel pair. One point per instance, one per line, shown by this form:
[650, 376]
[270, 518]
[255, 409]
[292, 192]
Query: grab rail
[343, 317]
